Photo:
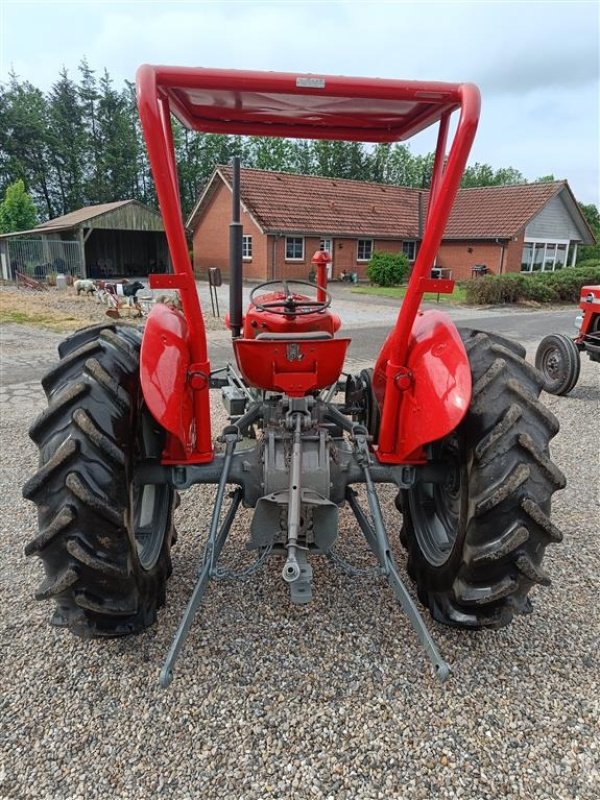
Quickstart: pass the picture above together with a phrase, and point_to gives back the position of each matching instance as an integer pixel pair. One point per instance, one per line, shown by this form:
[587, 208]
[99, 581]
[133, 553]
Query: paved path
[27, 352]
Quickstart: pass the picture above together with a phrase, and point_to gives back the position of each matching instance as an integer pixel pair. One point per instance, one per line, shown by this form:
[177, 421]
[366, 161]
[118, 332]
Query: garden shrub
[388, 269]
[589, 263]
[550, 287]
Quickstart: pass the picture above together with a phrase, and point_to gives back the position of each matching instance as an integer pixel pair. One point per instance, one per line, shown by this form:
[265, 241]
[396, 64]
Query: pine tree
[67, 142]
[143, 190]
[118, 148]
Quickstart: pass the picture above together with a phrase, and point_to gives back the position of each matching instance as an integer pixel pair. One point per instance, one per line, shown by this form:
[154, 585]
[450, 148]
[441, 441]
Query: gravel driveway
[331, 700]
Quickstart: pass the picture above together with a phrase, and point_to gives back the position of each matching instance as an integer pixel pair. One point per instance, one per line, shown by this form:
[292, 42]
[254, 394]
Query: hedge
[547, 287]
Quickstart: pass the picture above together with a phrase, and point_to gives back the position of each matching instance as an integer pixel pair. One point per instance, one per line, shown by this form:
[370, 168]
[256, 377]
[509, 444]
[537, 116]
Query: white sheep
[84, 285]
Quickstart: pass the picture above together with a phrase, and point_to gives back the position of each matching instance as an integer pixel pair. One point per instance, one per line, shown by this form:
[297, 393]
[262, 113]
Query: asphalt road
[527, 327]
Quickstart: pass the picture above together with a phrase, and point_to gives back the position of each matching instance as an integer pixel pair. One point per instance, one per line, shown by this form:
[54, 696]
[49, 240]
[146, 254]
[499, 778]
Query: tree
[592, 215]
[335, 159]
[116, 156]
[478, 175]
[67, 141]
[271, 153]
[24, 142]
[17, 210]
[379, 162]
[303, 161]
[507, 176]
[89, 96]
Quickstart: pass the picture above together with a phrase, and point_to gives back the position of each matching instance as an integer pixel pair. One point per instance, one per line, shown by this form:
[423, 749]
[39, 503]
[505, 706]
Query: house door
[327, 245]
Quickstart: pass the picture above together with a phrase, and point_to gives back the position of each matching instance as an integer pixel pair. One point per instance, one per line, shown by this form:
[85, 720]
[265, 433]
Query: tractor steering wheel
[289, 305]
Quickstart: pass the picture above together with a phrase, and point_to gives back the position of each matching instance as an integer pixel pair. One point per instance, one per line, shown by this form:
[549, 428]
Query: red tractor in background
[557, 356]
[450, 418]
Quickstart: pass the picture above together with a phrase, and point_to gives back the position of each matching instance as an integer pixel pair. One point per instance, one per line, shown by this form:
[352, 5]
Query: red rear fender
[439, 392]
[164, 366]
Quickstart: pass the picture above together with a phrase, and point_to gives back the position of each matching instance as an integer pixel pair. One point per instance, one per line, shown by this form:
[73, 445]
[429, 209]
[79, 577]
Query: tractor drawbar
[296, 501]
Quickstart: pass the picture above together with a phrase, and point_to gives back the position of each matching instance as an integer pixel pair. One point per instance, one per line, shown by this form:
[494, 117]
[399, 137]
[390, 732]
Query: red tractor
[449, 418]
[557, 356]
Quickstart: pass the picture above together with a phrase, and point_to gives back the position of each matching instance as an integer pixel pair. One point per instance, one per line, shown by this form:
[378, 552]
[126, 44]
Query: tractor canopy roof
[303, 106]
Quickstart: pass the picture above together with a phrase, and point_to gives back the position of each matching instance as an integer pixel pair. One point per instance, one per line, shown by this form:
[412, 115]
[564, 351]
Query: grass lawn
[457, 296]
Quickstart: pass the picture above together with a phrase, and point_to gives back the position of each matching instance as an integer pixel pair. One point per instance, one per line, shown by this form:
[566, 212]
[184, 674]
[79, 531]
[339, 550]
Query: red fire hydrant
[320, 259]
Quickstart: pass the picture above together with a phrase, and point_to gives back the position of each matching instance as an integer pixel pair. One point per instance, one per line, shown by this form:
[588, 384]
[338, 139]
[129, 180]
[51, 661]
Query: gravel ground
[331, 700]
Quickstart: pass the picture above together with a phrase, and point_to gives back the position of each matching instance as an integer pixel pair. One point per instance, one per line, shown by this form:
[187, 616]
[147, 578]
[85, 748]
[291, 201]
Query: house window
[294, 248]
[247, 248]
[365, 249]
[541, 256]
[561, 256]
[410, 250]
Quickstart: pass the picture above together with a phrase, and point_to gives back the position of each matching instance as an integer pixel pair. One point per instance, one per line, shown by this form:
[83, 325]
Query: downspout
[502, 244]
[276, 238]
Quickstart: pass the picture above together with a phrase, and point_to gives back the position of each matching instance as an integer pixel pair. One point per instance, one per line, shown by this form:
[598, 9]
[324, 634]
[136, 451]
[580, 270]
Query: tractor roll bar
[304, 106]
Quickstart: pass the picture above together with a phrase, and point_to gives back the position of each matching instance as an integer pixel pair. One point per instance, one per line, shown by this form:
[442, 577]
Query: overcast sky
[537, 63]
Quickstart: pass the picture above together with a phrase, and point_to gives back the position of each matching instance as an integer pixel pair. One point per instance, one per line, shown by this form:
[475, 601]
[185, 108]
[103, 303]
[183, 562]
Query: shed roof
[75, 218]
[284, 202]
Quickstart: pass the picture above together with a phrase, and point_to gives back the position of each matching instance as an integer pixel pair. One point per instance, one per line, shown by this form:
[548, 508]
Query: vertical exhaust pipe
[235, 255]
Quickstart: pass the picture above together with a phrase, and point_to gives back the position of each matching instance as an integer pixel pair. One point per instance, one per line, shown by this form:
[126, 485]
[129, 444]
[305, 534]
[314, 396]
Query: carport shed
[123, 238]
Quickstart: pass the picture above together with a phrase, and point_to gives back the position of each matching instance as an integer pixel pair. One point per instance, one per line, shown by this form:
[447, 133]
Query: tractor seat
[290, 336]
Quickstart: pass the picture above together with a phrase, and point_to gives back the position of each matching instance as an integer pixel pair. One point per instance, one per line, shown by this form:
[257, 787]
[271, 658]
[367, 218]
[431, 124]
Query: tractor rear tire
[557, 358]
[104, 541]
[475, 542]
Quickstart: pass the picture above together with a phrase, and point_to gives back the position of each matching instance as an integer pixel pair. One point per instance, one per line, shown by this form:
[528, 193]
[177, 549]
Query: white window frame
[247, 247]
[412, 242]
[358, 243]
[294, 258]
[545, 242]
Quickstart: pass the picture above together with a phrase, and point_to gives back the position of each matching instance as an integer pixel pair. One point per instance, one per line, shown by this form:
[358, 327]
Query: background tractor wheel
[476, 540]
[104, 541]
[557, 358]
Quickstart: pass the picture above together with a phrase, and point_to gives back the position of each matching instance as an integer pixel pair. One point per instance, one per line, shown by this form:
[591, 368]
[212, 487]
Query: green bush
[563, 286]
[589, 263]
[388, 269]
[495, 289]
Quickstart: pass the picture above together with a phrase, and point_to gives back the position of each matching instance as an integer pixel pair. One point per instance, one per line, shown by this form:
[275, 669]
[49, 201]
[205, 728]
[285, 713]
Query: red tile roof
[498, 211]
[304, 204]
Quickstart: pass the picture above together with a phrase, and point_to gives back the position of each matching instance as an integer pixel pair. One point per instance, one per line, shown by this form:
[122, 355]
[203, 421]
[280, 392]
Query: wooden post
[82, 248]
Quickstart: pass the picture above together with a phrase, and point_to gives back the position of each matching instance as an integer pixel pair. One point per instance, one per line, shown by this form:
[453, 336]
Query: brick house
[286, 217]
